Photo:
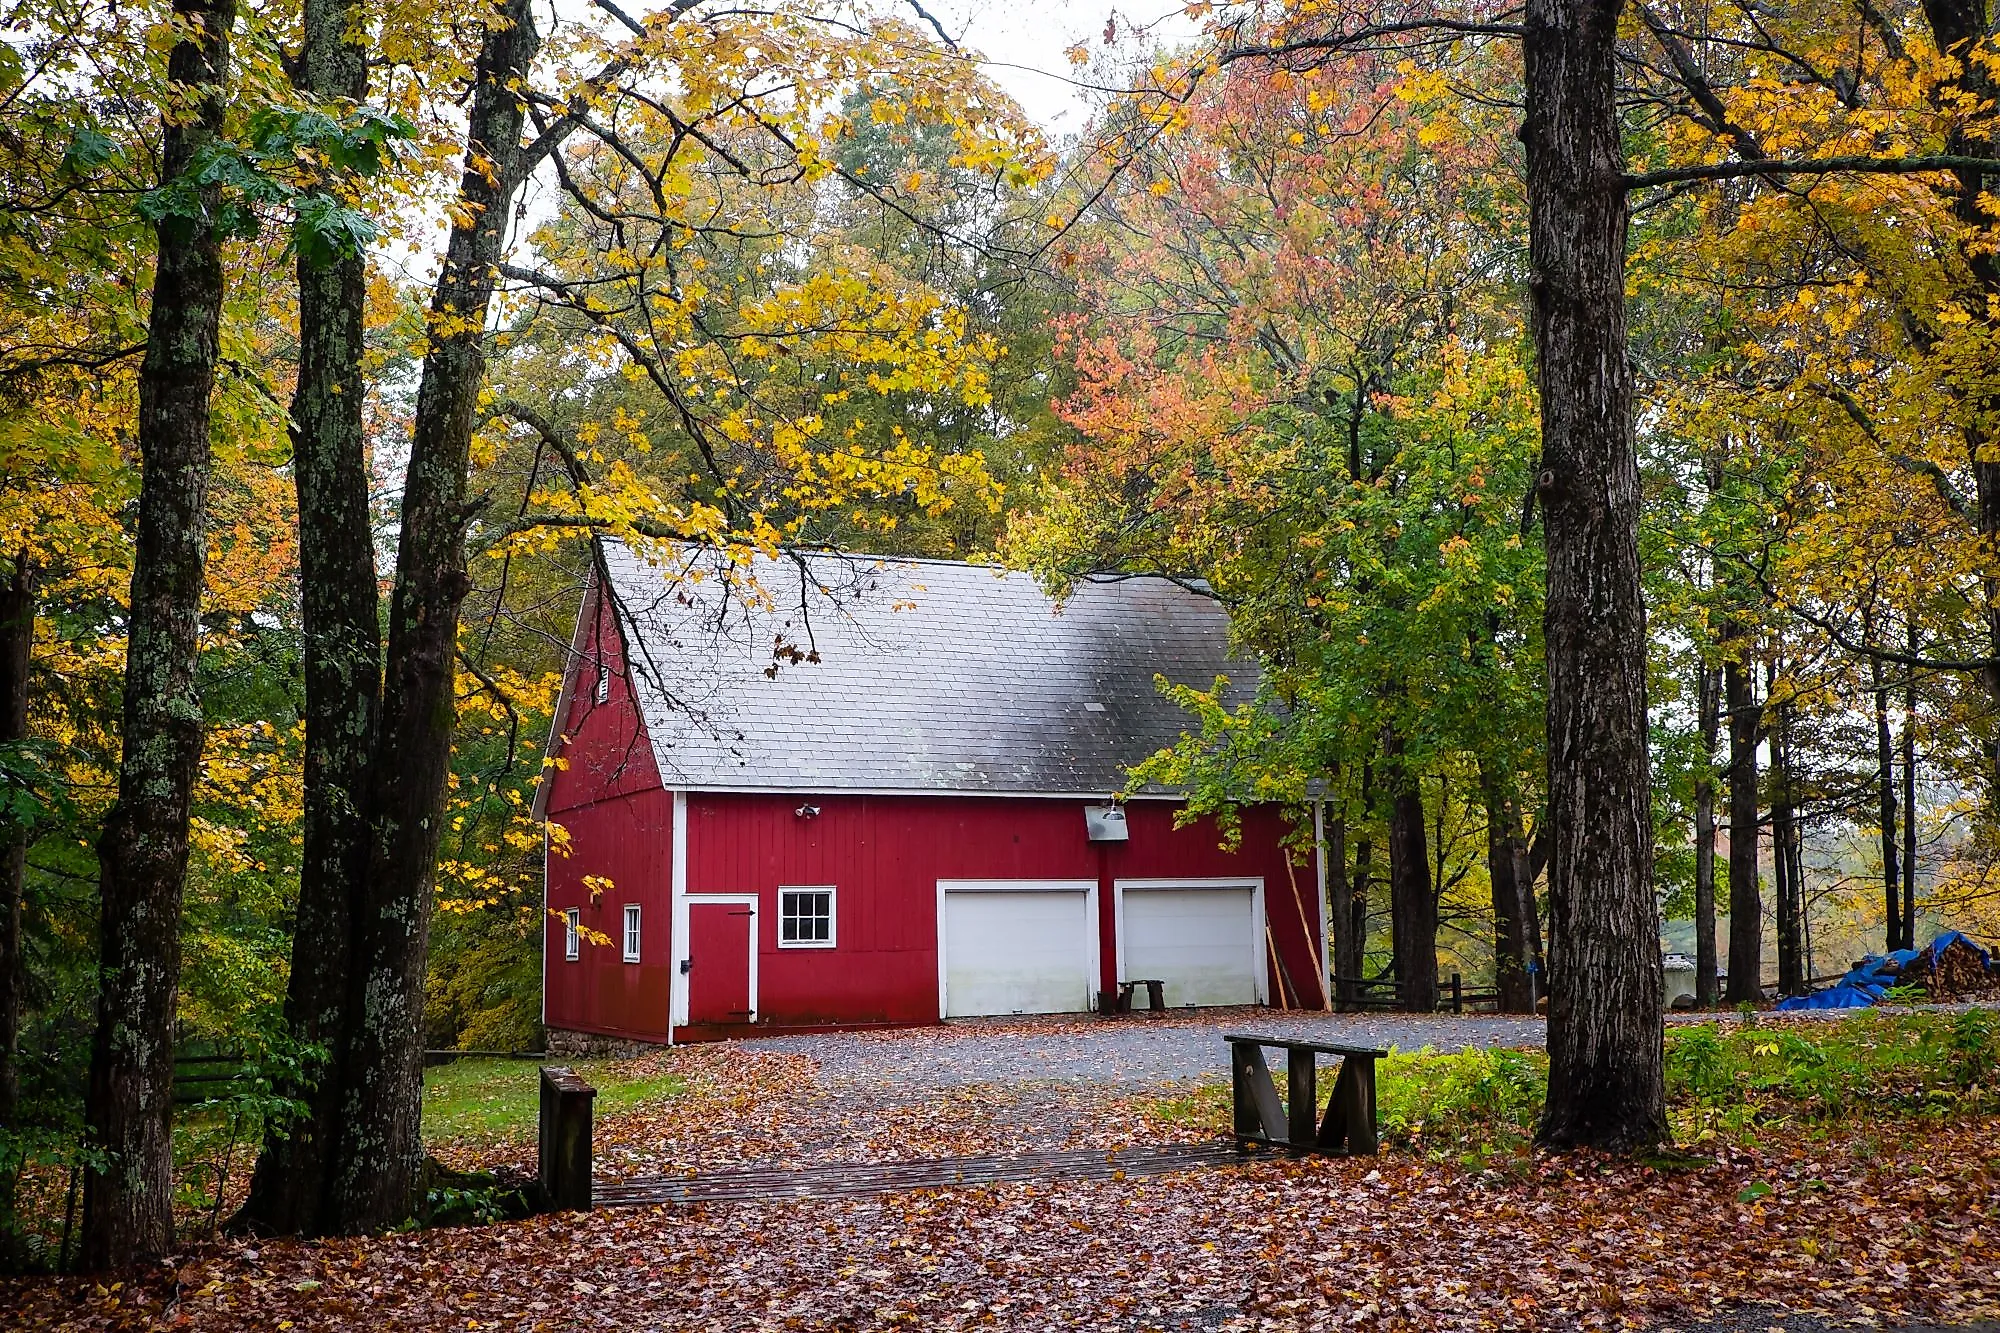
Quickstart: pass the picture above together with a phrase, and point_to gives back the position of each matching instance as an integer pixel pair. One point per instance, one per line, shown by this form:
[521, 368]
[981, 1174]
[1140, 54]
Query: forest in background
[803, 278]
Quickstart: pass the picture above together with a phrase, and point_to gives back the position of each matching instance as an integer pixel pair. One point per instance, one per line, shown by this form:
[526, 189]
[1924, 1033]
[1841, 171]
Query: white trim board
[546, 951]
[1259, 969]
[677, 921]
[1086, 887]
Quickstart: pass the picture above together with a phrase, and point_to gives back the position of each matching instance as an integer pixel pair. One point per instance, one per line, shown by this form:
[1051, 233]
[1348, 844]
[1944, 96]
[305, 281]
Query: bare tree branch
[1819, 166]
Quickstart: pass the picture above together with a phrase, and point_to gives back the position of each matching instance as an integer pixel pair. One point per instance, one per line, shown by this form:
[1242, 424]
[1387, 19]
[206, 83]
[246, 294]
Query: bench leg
[1301, 1098]
[1350, 1113]
[1156, 998]
[1258, 1112]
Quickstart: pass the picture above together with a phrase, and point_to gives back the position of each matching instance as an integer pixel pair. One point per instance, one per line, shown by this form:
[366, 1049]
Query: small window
[631, 932]
[603, 683]
[572, 936]
[805, 918]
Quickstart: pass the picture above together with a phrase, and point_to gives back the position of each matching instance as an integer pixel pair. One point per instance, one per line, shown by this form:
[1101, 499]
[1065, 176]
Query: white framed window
[805, 917]
[603, 691]
[572, 936]
[631, 932]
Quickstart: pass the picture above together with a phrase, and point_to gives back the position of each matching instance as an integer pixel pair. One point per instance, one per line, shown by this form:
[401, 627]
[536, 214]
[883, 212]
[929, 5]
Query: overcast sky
[1024, 41]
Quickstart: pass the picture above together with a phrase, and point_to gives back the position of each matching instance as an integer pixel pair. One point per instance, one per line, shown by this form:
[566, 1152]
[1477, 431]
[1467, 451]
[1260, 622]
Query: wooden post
[565, 1140]
[1457, 995]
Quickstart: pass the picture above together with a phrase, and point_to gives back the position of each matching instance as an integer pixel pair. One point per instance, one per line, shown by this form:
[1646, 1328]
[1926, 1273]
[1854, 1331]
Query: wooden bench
[1263, 1119]
[206, 1073]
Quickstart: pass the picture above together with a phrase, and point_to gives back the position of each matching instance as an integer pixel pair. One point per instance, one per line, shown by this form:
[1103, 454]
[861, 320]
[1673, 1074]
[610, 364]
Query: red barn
[846, 791]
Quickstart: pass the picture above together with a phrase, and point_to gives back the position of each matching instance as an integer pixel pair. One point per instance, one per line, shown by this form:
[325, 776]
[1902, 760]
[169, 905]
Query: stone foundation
[594, 1045]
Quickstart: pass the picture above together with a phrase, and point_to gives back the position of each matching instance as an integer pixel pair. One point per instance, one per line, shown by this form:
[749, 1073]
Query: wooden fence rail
[1452, 994]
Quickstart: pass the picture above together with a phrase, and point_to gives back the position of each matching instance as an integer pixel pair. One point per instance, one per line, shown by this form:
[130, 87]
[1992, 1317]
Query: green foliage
[265, 174]
[1476, 1105]
[89, 149]
[472, 1204]
[1730, 1082]
[32, 793]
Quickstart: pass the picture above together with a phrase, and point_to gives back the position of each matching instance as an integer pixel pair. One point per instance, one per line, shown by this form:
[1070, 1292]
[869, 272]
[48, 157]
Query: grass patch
[492, 1099]
[1725, 1082]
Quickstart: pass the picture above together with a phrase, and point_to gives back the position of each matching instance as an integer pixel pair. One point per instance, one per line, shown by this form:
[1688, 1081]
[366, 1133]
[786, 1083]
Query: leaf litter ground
[1883, 1223]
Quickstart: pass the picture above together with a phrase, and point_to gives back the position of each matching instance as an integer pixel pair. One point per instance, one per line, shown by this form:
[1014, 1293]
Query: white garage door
[1016, 951]
[1204, 943]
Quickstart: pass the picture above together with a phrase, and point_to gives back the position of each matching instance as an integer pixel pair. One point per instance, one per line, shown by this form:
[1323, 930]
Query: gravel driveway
[1132, 1050]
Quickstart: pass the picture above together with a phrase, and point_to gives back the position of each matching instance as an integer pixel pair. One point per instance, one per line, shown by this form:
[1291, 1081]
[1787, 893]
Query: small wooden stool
[1156, 995]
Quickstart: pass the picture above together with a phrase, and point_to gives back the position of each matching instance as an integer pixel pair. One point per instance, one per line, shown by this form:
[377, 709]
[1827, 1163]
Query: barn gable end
[605, 797]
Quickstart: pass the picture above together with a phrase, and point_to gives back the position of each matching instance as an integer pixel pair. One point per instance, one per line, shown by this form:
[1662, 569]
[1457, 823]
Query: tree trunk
[17, 644]
[1515, 928]
[1784, 857]
[1708, 706]
[1347, 944]
[142, 854]
[1910, 794]
[1606, 1069]
[381, 1146]
[1746, 906]
[1885, 784]
[341, 617]
[1412, 903]
[1958, 28]
[1363, 884]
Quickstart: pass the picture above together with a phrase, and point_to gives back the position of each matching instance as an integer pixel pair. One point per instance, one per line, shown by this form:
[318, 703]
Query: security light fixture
[1106, 823]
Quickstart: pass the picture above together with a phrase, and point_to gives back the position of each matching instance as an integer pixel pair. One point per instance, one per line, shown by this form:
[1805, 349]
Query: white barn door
[1016, 946]
[1203, 938]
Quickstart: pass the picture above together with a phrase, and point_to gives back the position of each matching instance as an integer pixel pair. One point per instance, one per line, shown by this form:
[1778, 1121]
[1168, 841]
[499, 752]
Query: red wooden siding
[606, 753]
[625, 840]
[619, 822]
[885, 856]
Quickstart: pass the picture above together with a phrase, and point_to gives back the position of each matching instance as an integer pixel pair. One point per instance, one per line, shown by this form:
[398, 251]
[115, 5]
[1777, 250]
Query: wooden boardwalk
[848, 1180]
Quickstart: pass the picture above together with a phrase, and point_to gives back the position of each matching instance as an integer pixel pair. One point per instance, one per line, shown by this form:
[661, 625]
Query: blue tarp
[1873, 976]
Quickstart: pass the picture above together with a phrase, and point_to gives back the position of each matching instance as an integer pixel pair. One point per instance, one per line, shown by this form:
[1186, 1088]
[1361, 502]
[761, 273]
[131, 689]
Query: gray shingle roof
[930, 675]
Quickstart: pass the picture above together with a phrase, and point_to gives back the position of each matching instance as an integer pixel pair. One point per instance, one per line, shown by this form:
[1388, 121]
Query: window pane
[805, 916]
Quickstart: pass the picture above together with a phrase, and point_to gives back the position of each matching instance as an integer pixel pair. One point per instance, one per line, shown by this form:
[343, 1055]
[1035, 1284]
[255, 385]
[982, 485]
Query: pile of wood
[1958, 971]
